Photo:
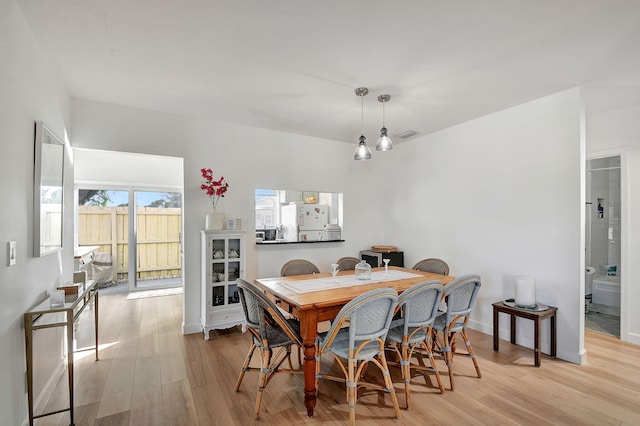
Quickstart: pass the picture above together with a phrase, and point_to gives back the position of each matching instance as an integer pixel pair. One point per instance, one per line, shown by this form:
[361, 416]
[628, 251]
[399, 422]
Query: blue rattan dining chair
[357, 335]
[269, 330]
[460, 295]
[434, 265]
[298, 267]
[347, 263]
[419, 308]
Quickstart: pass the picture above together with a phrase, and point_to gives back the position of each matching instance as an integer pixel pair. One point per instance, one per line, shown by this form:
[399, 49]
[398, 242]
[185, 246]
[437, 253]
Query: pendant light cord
[383, 114]
[362, 114]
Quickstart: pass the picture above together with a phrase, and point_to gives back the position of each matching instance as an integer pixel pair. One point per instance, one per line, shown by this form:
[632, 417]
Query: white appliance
[332, 233]
[304, 222]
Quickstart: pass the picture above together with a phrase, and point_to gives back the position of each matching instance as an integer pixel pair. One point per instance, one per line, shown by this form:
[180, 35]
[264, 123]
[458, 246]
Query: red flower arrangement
[215, 189]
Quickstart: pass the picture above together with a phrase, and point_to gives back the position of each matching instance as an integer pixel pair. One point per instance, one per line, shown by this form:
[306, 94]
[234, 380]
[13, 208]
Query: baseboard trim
[632, 338]
[527, 342]
[191, 328]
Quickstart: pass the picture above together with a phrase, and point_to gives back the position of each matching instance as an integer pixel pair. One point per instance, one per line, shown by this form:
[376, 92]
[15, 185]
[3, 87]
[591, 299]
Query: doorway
[603, 255]
[130, 209]
[136, 235]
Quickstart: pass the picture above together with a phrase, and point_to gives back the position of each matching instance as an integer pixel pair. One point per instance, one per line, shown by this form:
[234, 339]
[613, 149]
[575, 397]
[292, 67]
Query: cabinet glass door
[217, 294]
[225, 269]
[233, 255]
[218, 271]
[233, 296]
[218, 266]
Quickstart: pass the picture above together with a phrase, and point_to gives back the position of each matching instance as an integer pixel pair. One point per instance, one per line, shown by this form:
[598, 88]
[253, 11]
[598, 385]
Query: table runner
[328, 283]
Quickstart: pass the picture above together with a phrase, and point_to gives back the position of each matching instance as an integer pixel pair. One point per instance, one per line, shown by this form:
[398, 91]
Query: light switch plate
[11, 253]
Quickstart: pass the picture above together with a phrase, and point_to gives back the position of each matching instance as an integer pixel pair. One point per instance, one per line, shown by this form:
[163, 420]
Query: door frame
[624, 242]
[132, 235]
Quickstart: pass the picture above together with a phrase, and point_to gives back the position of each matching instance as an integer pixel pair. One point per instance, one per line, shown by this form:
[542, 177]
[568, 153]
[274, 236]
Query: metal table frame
[41, 317]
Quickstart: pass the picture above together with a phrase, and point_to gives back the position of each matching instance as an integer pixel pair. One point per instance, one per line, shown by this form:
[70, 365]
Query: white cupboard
[223, 262]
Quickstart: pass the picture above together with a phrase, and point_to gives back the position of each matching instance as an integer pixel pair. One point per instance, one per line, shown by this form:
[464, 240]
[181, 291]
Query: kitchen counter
[271, 243]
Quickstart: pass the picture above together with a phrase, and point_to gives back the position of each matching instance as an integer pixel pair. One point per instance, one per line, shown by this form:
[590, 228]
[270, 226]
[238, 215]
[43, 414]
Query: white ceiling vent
[406, 134]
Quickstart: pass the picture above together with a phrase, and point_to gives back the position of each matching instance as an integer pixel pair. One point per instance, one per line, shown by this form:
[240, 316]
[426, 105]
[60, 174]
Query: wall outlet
[11, 253]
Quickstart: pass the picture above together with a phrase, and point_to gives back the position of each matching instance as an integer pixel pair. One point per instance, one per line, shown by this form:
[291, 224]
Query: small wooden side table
[536, 316]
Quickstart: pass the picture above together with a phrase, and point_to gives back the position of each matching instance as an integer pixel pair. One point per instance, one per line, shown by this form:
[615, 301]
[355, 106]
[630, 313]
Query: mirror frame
[47, 233]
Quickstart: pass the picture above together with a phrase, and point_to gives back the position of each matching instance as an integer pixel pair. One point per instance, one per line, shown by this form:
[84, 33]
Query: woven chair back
[437, 266]
[261, 313]
[461, 295]
[368, 315]
[298, 267]
[347, 263]
[420, 304]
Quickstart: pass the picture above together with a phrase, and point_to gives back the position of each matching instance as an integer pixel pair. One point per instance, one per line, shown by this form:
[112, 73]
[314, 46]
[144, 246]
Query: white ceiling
[293, 65]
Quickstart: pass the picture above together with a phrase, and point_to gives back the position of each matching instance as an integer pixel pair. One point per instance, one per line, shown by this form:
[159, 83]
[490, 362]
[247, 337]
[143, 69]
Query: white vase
[214, 221]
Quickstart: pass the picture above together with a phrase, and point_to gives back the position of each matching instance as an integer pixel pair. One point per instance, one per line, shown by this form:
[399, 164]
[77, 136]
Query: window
[266, 211]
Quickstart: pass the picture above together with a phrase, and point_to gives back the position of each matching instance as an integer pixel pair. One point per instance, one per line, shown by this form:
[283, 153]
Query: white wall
[27, 93]
[249, 158]
[120, 169]
[617, 132]
[501, 196]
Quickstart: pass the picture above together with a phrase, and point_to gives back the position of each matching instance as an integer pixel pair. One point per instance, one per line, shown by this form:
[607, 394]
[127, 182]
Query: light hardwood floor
[150, 374]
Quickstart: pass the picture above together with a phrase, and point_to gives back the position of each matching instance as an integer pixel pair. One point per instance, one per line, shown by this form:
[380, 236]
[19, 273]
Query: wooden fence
[158, 235]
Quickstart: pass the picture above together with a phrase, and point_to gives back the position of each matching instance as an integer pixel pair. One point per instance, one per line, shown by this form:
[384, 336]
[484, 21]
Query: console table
[536, 316]
[46, 316]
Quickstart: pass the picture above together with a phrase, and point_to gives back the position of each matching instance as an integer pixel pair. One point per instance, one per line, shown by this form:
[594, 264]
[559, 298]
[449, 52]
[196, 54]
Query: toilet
[605, 290]
[588, 284]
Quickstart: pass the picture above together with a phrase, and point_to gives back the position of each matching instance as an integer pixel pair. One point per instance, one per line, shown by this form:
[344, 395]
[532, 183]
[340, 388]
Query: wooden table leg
[536, 317]
[496, 329]
[309, 332]
[536, 341]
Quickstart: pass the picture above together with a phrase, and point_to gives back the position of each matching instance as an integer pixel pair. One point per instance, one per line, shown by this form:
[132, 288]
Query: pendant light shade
[384, 141]
[362, 151]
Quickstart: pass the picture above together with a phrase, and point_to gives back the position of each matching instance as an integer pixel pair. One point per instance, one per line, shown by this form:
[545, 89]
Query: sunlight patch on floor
[154, 293]
[90, 351]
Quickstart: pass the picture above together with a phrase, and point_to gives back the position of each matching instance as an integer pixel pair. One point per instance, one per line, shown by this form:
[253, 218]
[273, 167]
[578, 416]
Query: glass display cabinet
[223, 257]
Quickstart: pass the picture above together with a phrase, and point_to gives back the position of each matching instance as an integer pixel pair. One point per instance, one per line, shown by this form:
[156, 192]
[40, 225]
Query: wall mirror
[48, 191]
[284, 216]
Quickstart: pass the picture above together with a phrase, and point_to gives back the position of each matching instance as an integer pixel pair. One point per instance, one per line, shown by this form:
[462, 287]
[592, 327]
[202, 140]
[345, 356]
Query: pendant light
[384, 141]
[362, 151]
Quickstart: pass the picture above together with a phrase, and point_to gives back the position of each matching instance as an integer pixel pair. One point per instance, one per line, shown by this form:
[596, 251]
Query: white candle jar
[525, 292]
